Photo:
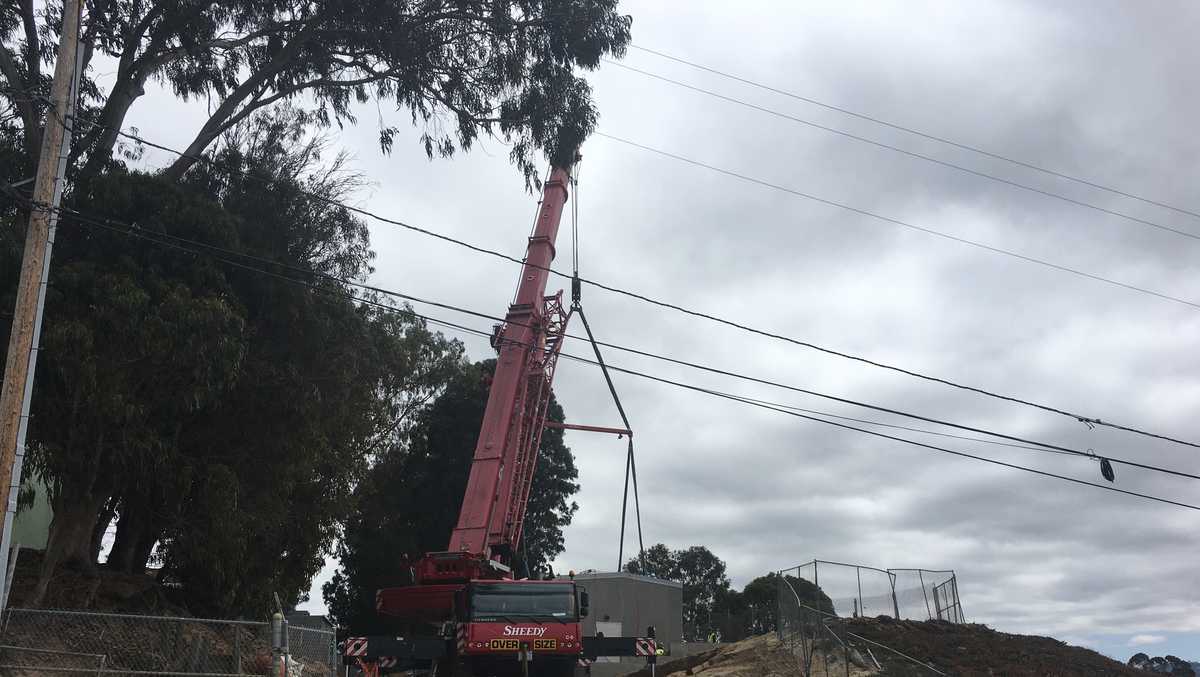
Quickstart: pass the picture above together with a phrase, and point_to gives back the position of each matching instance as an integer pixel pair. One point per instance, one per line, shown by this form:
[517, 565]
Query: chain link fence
[854, 590]
[45, 641]
[819, 601]
[926, 594]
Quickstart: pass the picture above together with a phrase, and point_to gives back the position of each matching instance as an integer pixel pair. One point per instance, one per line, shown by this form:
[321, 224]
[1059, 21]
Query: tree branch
[132, 72]
[33, 50]
[135, 35]
[129, 88]
[94, 16]
[234, 43]
[258, 103]
[218, 120]
[23, 103]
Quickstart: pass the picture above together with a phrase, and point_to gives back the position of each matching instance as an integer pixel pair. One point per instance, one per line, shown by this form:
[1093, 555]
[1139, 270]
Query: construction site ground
[959, 650]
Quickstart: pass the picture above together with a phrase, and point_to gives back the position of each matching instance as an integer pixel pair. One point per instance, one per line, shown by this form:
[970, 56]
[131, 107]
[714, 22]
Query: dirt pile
[762, 656]
[978, 651]
[959, 650]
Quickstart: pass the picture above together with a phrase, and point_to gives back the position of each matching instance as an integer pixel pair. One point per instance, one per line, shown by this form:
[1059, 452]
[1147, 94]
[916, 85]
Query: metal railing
[49, 641]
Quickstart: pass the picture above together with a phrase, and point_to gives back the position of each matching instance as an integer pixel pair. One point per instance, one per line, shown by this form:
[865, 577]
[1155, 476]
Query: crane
[489, 623]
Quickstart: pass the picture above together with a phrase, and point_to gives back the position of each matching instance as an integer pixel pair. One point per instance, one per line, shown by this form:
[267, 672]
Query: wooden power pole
[31, 290]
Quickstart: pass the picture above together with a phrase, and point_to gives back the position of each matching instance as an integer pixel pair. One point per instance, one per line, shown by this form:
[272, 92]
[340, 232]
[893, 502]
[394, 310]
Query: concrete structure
[625, 604]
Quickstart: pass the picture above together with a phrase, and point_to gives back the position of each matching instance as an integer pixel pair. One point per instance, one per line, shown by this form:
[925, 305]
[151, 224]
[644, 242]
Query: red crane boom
[493, 507]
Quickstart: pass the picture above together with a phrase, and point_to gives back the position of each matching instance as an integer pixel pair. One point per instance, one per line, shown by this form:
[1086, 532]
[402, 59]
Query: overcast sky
[1101, 90]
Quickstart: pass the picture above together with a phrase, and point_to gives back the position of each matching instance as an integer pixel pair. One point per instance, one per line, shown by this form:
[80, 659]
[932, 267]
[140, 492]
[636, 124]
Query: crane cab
[501, 624]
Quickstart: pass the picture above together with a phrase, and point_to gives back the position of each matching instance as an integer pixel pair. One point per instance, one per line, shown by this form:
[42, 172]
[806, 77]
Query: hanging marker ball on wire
[1106, 469]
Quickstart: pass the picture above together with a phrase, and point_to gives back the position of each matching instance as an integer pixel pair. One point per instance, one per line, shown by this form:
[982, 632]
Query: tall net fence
[823, 606]
[46, 641]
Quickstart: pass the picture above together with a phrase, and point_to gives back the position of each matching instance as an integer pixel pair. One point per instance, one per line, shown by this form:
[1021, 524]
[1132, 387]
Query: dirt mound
[959, 650]
[978, 651]
[762, 656]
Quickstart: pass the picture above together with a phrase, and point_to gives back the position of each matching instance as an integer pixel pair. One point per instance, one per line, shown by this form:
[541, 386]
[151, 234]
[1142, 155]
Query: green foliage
[729, 615]
[702, 574]
[224, 414]
[809, 593]
[755, 610]
[457, 69]
[660, 562]
[327, 384]
[137, 340]
[409, 502]
[761, 599]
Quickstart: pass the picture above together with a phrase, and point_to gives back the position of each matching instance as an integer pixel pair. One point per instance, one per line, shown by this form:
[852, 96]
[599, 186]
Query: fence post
[237, 650]
[846, 657]
[928, 613]
[937, 604]
[277, 635]
[652, 659]
[287, 650]
[958, 600]
[779, 606]
[895, 604]
[858, 573]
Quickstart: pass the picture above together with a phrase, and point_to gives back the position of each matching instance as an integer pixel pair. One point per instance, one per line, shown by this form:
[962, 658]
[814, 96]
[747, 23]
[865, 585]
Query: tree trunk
[121, 555]
[137, 532]
[106, 517]
[70, 538]
[145, 546]
[115, 110]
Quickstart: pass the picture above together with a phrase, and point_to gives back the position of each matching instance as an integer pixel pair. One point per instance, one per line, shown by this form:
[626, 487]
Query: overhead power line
[917, 132]
[198, 247]
[818, 419]
[898, 222]
[736, 398]
[1090, 420]
[150, 236]
[783, 410]
[903, 151]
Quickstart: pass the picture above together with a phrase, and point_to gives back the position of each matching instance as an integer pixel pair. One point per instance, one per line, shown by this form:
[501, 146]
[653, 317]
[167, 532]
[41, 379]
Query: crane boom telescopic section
[493, 507]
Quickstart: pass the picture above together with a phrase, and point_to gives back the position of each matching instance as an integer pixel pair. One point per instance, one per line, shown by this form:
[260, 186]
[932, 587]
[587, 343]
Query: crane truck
[485, 621]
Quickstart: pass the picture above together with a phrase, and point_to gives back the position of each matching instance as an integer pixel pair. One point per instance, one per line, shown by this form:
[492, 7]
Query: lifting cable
[630, 464]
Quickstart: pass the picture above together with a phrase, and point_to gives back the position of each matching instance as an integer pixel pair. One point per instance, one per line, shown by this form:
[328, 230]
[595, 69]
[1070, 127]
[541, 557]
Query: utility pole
[31, 290]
